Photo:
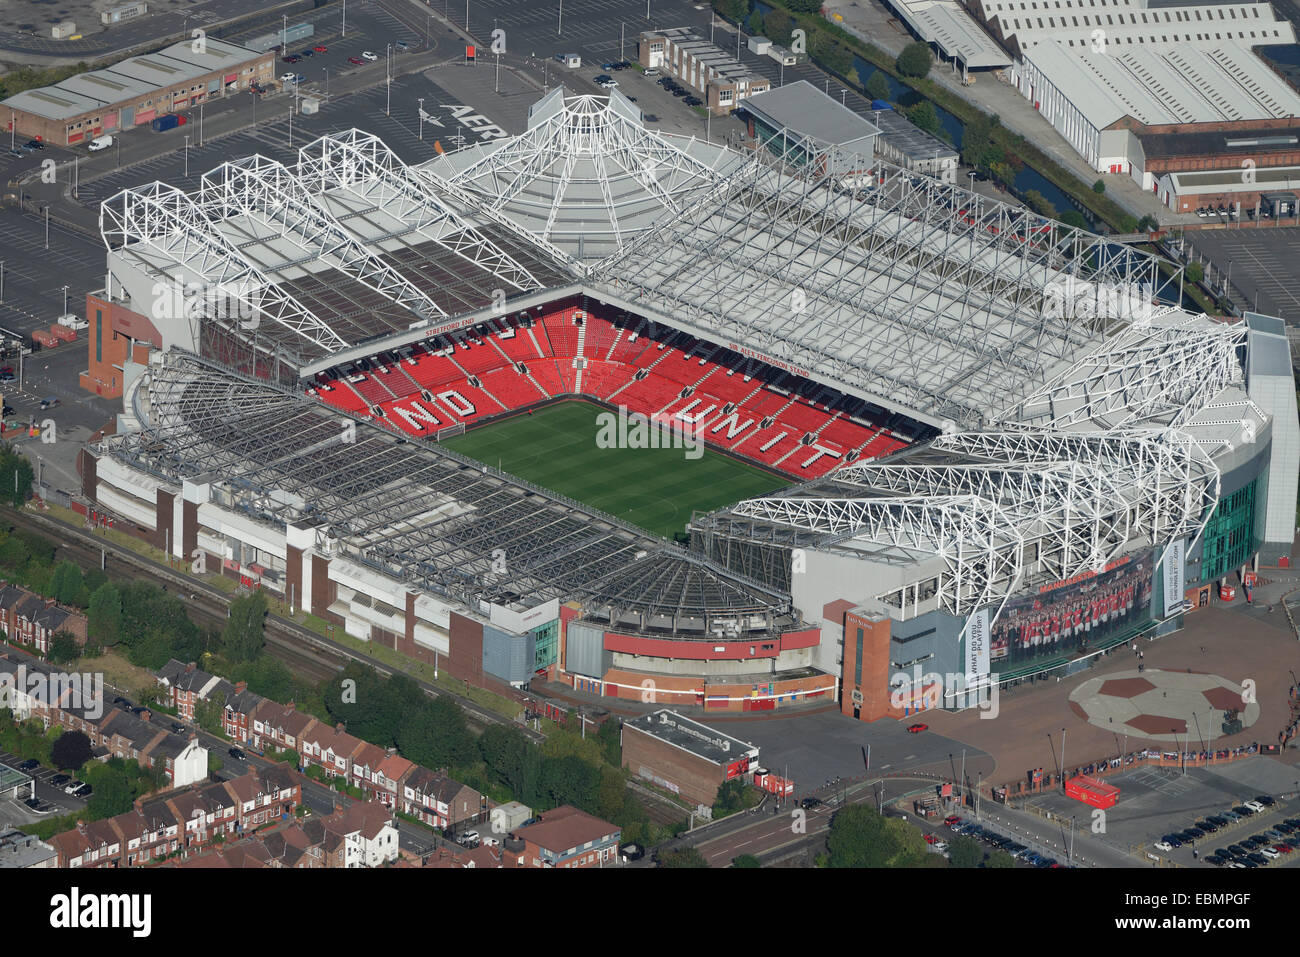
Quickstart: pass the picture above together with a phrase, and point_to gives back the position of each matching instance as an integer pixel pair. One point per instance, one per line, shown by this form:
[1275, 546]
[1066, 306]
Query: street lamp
[187, 156]
[421, 102]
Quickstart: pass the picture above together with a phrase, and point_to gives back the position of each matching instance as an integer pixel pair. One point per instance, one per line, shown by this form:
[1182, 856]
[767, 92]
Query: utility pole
[388, 79]
[187, 156]
[421, 102]
[345, 18]
[291, 127]
[559, 31]
[47, 226]
[201, 122]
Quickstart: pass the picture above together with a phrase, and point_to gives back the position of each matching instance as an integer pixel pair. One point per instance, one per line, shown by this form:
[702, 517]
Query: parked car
[1255, 806]
[287, 77]
[1207, 826]
[31, 764]
[917, 728]
[356, 60]
[237, 754]
[36, 144]
[1245, 811]
[809, 803]
[469, 837]
[1258, 858]
[650, 118]
[321, 48]
[59, 780]
[1164, 846]
[367, 55]
[1283, 848]
[608, 83]
[1173, 840]
[73, 786]
[693, 101]
[1265, 800]
[1231, 815]
[951, 819]
[1217, 820]
[50, 402]
[305, 53]
[100, 143]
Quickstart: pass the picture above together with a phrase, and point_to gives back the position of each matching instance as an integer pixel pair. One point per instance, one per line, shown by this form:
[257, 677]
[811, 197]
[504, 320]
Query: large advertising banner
[1174, 581]
[1080, 611]
[977, 644]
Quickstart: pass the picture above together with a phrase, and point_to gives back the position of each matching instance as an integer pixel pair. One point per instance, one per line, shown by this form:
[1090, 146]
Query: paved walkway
[1159, 705]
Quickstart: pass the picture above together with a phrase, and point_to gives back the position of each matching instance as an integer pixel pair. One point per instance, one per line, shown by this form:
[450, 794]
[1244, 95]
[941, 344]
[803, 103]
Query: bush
[1195, 272]
[877, 86]
[1099, 187]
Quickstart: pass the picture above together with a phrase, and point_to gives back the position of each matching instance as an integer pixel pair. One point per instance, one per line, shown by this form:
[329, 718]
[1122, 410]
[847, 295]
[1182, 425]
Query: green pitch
[655, 489]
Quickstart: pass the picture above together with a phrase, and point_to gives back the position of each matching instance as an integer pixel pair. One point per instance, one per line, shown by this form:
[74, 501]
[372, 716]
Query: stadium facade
[1004, 451]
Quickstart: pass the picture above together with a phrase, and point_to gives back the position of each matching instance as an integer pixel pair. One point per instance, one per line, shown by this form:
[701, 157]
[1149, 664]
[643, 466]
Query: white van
[100, 143]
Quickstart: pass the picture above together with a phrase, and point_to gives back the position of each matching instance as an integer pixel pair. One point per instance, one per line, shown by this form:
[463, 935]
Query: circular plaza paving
[1162, 705]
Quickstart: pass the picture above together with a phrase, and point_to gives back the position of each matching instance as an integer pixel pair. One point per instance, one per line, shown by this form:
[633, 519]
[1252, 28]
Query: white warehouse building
[1097, 68]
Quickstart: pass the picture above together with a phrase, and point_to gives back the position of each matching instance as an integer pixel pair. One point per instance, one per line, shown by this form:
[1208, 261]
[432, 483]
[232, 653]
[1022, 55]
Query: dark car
[680, 92]
[305, 53]
[1243, 810]
[59, 780]
[650, 118]
[809, 803]
[1265, 800]
[1207, 827]
[1192, 834]
[289, 59]
[29, 765]
[1173, 840]
[38, 145]
[33, 803]
[237, 754]
[1216, 820]
[178, 728]
[693, 101]
[1235, 849]
[1258, 858]
[84, 791]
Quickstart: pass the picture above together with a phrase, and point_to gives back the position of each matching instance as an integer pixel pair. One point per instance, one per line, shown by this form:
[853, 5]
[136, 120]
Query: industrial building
[133, 92]
[683, 756]
[1095, 70]
[843, 141]
[976, 407]
[721, 79]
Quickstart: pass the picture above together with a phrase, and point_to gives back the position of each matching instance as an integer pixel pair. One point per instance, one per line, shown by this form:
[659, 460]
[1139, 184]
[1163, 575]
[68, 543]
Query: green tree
[208, 715]
[63, 648]
[732, 796]
[915, 60]
[965, 851]
[861, 837]
[66, 583]
[924, 116]
[14, 554]
[1040, 203]
[745, 860]
[245, 632]
[435, 735]
[777, 26]
[755, 24]
[686, 857]
[1000, 859]
[1099, 187]
[104, 616]
[1195, 272]
[611, 745]
[877, 86]
[1072, 217]
[1148, 224]
[13, 490]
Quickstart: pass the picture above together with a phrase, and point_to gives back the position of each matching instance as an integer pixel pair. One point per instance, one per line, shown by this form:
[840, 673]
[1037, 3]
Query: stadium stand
[512, 363]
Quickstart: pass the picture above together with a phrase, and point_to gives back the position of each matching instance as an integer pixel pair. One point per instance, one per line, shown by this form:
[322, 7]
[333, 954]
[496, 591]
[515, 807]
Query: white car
[75, 785]
[1162, 846]
[1269, 852]
[1255, 806]
[609, 84]
[367, 55]
[469, 837]
[287, 77]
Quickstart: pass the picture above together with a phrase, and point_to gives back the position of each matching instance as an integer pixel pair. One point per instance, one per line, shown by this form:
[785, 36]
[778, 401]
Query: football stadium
[668, 421]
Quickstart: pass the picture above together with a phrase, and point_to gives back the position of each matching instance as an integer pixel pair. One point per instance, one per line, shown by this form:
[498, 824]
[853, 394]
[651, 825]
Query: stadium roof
[417, 511]
[921, 297]
[1120, 448]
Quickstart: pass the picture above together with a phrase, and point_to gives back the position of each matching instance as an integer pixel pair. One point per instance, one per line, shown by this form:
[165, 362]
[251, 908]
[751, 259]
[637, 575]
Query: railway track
[303, 652]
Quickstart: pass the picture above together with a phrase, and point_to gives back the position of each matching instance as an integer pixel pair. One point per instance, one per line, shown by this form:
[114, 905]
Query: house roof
[566, 829]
